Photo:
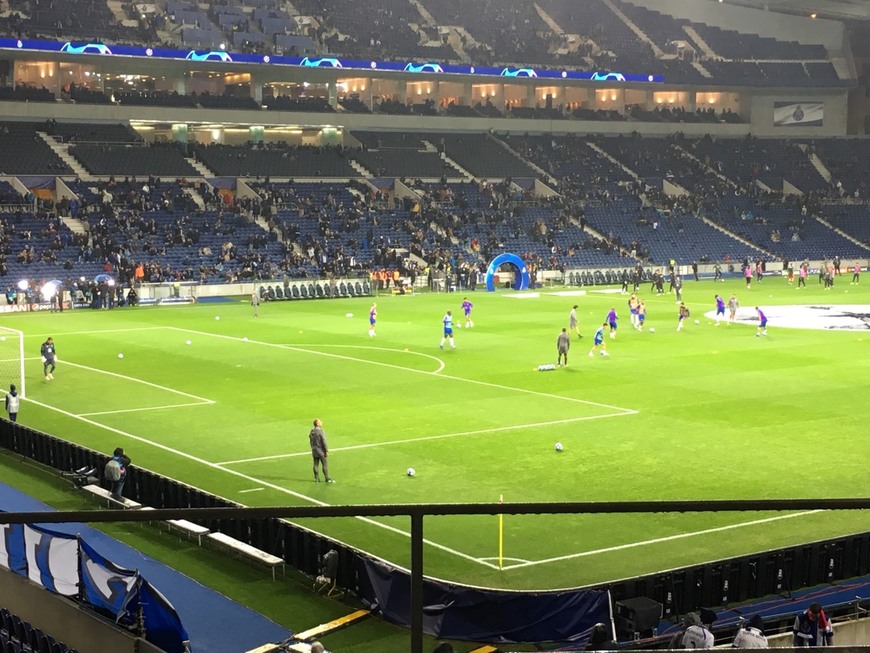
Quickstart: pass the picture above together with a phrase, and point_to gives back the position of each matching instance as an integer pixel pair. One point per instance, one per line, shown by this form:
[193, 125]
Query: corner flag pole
[500, 534]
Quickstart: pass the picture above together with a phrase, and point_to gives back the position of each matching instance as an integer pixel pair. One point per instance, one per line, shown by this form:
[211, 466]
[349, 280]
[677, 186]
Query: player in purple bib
[762, 323]
[720, 309]
[611, 321]
[466, 308]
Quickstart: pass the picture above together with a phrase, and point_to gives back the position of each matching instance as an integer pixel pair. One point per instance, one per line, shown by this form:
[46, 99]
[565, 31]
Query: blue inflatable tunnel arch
[521, 272]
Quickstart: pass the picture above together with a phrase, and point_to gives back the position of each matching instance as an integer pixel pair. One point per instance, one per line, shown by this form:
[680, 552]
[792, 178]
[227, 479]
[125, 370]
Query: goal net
[11, 360]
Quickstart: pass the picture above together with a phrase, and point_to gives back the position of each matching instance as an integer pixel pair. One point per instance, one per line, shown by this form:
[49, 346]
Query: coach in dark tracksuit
[319, 451]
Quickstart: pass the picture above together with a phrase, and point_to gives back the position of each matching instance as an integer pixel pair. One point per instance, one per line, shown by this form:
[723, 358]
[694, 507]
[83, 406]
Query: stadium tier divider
[720, 583]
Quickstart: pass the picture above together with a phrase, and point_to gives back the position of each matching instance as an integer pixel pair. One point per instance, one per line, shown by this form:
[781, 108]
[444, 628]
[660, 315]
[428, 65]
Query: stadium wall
[836, 114]
[373, 122]
[753, 21]
[65, 619]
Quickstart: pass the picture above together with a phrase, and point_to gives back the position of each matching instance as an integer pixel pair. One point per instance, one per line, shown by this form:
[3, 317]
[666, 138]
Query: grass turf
[707, 413]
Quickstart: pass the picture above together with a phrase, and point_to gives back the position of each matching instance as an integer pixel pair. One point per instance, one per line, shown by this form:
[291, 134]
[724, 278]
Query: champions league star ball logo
[837, 317]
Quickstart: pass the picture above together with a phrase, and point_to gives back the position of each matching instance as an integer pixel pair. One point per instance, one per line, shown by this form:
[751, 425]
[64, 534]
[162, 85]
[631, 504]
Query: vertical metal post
[417, 581]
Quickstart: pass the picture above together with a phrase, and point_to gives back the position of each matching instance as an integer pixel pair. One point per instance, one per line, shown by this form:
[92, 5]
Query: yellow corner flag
[500, 534]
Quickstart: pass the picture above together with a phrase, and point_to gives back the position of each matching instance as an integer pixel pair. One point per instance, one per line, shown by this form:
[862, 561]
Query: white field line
[425, 438]
[96, 332]
[627, 411]
[255, 481]
[135, 380]
[137, 410]
[253, 489]
[441, 363]
[658, 540]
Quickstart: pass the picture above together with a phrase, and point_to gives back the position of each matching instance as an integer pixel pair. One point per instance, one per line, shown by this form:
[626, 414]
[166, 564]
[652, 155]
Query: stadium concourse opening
[521, 272]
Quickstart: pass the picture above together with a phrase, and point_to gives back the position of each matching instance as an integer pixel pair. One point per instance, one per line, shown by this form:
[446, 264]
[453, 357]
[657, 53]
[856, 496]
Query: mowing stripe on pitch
[254, 481]
[658, 540]
[494, 429]
[627, 411]
[137, 410]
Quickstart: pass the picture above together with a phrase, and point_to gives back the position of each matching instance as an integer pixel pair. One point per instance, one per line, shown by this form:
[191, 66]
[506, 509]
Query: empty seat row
[17, 635]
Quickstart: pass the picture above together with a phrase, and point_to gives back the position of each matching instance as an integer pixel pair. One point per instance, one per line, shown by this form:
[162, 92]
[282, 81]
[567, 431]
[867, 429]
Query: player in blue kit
[466, 308]
[720, 309]
[641, 315]
[448, 331]
[598, 341]
[373, 319]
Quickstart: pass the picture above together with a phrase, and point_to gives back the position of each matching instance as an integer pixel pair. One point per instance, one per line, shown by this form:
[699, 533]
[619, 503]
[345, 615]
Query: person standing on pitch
[720, 309]
[255, 302]
[572, 322]
[12, 403]
[373, 320]
[319, 451]
[733, 305]
[448, 331]
[762, 322]
[49, 359]
[563, 344]
[466, 308]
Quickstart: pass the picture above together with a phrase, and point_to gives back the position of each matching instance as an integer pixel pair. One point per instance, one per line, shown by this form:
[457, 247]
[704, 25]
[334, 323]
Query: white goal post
[11, 360]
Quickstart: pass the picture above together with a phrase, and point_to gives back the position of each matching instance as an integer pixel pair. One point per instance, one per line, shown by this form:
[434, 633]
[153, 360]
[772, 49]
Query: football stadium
[416, 325]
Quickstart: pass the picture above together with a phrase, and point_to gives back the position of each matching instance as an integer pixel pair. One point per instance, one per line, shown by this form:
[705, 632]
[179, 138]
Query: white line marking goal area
[145, 395]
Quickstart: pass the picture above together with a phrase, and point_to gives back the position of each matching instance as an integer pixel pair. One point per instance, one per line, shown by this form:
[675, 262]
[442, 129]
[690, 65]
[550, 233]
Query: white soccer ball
[558, 446]
[697, 321]
[652, 329]
[458, 325]
[217, 317]
[187, 342]
[245, 339]
[348, 314]
[120, 355]
[3, 338]
[410, 471]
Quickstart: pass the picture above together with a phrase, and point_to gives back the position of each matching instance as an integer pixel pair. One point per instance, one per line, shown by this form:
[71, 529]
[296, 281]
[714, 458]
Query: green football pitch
[212, 396]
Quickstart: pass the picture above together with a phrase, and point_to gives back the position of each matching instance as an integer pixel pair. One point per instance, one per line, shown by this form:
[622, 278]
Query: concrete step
[699, 41]
[62, 150]
[634, 28]
[201, 168]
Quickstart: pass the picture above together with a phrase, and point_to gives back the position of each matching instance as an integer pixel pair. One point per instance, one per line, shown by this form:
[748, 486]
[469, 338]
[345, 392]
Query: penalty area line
[256, 481]
[489, 384]
[659, 540]
[424, 438]
[138, 410]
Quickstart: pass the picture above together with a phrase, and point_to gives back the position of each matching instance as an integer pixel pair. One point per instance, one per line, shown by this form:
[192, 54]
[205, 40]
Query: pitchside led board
[798, 114]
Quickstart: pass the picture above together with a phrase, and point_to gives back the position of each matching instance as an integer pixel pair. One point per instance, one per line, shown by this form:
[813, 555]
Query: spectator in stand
[813, 628]
[698, 635]
[751, 636]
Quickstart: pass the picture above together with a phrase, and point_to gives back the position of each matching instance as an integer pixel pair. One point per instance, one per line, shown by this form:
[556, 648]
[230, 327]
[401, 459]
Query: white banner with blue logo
[67, 565]
[52, 560]
[798, 114]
